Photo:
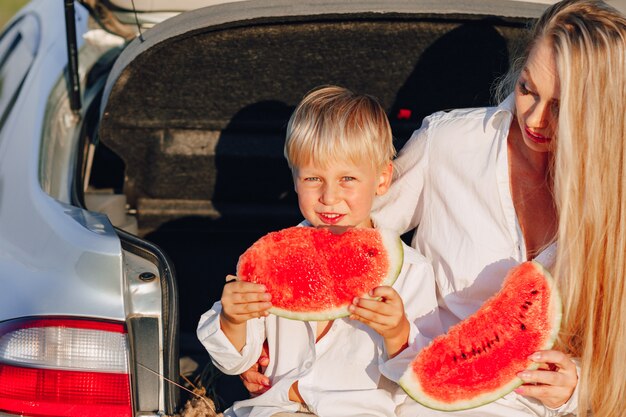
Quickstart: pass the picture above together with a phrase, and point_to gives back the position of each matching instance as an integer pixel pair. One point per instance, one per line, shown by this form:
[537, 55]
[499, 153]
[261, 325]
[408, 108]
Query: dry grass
[200, 405]
[202, 394]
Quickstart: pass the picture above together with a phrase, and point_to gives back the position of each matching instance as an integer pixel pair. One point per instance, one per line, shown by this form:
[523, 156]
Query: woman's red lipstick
[536, 137]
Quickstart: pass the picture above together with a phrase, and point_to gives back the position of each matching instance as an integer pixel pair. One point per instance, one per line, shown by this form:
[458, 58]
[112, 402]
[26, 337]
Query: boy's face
[340, 195]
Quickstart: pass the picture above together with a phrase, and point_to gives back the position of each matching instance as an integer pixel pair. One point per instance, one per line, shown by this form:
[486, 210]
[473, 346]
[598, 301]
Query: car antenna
[137, 21]
[72, 57]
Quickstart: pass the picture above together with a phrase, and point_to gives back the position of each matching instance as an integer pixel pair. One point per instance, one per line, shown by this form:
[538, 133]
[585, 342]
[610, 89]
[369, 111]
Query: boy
[339, 148]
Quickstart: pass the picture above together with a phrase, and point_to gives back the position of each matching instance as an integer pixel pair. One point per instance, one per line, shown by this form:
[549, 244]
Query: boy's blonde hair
[333, 123]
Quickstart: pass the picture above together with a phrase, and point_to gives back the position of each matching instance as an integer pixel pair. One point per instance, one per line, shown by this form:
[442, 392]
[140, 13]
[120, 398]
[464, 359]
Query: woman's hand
[554, 382]
[255, 382]
[384, 314]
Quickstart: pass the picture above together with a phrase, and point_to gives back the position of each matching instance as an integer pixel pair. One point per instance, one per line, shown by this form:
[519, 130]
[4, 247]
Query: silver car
[139, 141]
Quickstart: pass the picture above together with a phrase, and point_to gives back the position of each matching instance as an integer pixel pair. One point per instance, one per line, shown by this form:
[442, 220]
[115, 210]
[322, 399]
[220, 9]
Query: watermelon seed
[522, 316]
[463, 355]
[522, 325]
[497, 338]
[528, 303]
[524, 306]
[533, 292]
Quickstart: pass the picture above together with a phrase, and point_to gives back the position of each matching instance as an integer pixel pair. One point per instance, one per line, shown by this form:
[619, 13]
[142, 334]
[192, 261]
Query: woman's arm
[400, 208]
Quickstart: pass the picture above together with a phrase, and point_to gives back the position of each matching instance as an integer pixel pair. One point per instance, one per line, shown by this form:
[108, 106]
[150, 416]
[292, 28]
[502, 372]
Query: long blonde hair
[589, 42]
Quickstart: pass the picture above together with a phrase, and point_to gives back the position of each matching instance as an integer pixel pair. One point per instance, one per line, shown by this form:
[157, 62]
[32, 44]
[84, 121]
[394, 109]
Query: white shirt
[452, 179]
[341, 374]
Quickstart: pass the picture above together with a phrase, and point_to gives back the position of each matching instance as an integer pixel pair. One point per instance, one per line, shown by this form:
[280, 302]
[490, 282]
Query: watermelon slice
[314, 274]
[476, 362]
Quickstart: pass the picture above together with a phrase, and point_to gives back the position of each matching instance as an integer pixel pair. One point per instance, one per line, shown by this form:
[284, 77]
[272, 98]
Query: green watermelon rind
[412, 387]
[395, 252]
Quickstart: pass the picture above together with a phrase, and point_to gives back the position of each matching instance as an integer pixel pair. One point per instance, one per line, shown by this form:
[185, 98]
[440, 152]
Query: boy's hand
[384, 314]
[242, 301]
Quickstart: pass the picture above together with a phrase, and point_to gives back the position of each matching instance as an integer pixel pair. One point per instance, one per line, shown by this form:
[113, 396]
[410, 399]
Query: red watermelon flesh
[477, 361]
[314, 274]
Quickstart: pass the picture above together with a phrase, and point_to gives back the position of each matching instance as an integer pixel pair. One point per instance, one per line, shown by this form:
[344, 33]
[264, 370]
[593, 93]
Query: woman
[493, 187]
[500, 185]
[589, 44]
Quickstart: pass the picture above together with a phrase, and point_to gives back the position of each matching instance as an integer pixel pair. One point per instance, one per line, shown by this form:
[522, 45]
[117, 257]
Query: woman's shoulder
[463, 116]
[466, 123]
[473, 115]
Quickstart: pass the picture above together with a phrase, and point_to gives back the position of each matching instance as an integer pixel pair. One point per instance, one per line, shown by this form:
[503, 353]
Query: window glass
[18, 48]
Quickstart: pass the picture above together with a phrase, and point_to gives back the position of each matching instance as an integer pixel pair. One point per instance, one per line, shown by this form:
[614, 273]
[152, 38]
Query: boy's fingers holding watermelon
[244, 287]
[389, 303]
[384, 306]
[234, 284]
[370, 312]
[386, 294]
[245, 292]
[240, 313]
[242, 301]
[372, 318]
[377, 314]
[255, 308]
[362, 310]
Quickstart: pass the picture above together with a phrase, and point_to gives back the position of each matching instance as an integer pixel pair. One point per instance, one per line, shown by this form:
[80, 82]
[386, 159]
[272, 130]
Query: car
[141, 153]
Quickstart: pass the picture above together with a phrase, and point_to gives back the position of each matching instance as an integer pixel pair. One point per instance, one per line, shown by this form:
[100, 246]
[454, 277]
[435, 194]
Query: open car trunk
[197, 111]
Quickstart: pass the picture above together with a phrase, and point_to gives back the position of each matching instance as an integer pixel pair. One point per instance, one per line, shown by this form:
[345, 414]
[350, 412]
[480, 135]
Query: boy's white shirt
[340, 375]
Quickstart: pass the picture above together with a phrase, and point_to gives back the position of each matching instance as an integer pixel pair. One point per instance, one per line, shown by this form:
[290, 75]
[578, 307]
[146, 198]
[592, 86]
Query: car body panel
[58, 259]
[143, 6]
[51, 252]
[60, 137]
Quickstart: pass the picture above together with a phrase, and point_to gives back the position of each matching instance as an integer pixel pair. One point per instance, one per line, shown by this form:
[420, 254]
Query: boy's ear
[384, 181]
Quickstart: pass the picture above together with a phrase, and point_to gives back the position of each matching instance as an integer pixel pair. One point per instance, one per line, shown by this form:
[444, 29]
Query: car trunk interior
[193, 126]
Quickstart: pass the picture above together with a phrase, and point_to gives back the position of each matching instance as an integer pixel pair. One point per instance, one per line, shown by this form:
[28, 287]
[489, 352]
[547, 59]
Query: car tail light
[64, 367]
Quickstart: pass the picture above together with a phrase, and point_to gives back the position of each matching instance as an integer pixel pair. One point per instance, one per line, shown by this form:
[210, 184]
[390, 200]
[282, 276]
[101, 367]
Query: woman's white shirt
[452, 179]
